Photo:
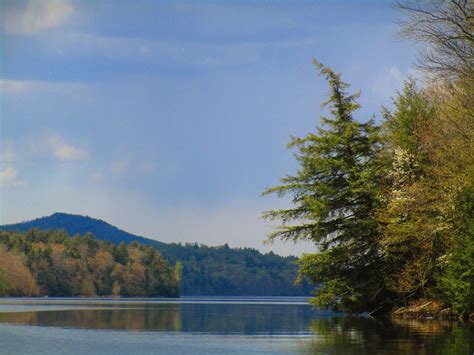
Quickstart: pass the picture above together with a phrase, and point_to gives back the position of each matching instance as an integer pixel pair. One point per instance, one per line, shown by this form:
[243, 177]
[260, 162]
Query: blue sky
[168, 119]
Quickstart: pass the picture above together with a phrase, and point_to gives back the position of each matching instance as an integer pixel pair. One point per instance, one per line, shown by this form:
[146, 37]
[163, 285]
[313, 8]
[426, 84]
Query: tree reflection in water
[360, 335]
[164, 318]
[199, 318]
[313, 331]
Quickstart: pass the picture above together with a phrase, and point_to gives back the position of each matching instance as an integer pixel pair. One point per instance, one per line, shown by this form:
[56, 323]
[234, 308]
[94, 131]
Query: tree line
[390, 205]
[52, 263]
[206, 270]
[234, 272]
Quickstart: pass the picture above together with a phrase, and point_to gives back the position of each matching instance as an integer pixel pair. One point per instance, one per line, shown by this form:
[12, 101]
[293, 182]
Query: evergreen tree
[335, 194]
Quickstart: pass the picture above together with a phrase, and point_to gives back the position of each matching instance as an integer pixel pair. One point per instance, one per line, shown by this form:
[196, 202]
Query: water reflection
[202, 318]
[126, 319]
[370, 336]
[309, 330]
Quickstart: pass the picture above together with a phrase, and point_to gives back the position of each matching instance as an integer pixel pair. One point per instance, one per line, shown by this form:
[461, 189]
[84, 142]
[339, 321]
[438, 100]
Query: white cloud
[9, 178]
[41, 147]
[396, 74]
[24, 86]
[119, 167]
[65, 151]
[8, 175]
[189, 53]
[131, 166]
[37, 16]
[146, 167]
[388, 82]
[7, 155]
[97, 176]
[15, 85]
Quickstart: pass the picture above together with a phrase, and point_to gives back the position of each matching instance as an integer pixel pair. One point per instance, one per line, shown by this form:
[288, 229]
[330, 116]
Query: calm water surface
[214, 326]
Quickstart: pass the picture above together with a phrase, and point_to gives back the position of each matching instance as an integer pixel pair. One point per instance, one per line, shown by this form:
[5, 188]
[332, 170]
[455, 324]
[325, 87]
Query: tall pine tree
[335, 194]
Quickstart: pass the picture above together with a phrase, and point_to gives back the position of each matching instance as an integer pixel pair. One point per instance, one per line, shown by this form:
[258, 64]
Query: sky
[169, 119]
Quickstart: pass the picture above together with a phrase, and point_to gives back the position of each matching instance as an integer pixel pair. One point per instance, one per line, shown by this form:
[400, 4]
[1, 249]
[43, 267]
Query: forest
[51, 263]
[206, 270]
[235, 272]
[390, 202]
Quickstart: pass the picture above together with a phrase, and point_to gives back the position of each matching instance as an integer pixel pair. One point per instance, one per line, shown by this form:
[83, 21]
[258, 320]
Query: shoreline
[430, 309]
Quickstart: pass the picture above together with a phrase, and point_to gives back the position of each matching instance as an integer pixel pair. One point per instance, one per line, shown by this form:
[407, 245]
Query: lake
[214, 325]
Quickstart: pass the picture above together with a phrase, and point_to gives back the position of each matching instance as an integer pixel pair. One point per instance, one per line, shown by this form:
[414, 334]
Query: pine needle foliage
[335, 194]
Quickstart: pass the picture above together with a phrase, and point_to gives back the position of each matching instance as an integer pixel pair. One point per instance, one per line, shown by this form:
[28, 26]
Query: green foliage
[234, 272]
[455, 280]
[5, 286]
[413, 235]
[205, 270]
[178, 270]
[335, 194]
[412, 111]
[84, 266]
[390, 210]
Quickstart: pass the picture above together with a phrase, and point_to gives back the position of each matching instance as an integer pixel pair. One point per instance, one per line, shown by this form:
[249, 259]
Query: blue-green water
[214, 326]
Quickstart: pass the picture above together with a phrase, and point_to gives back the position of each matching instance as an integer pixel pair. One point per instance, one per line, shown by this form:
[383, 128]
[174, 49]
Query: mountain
[206, 270]
[76, 224]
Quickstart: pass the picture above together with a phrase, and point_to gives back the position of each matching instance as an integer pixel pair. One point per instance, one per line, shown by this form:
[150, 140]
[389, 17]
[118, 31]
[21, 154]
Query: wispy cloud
[387, 82]
[15, 85]
[183, 53]
[9, 178]
[124, 167]
[65, 151]
[97, 176]
[8, 86]
[8, 175]
[7, 154]
[42, 147]
[36, 16]
[119, 167]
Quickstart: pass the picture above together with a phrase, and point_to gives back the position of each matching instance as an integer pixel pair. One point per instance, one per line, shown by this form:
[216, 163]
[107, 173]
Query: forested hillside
[205, 270]
[391, 204]
[226, 271]
[51, 263]
[76, 224]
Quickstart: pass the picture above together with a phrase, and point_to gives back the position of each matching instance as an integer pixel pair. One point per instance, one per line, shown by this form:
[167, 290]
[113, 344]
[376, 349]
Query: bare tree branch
[446, 27]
